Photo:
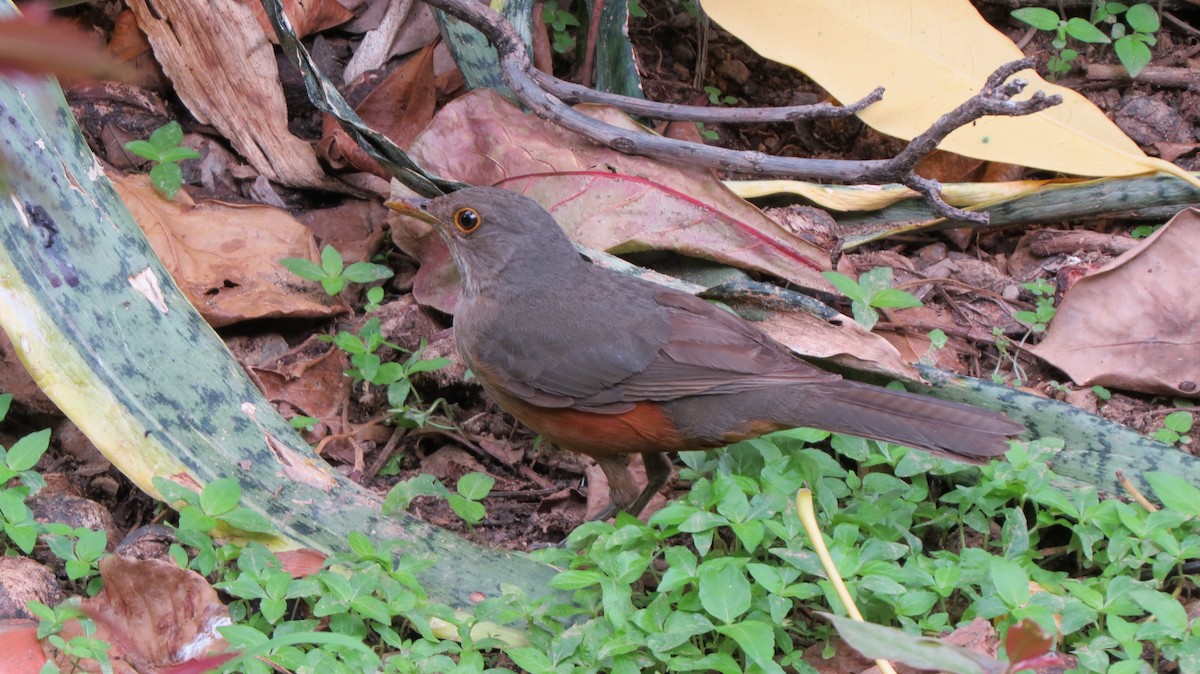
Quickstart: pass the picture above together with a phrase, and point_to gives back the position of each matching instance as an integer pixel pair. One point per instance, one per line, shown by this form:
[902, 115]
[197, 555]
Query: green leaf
[24, 535]
[167, 178]
[173, 492]
[530, 659]
[1142, 18]
[1133, 54]
[167, 136]
[1175, 492]
[1011, 581]
[5, 402]
[195, 520]
[879, 642]
[724, 589]
[1084, 31]
[1038, 17]
[471, 512]
[25, 452]
[333, 285]
[575, 580]
[248, 520]
[91, 545]
[304, 268]
[475, 486]
[366, 272]
[757, 641]
[1180, 422]
[1166, 610]
[177, 154]
[142, 149]
[331, 261]
[428, 365]
[845, 285]
[220, 496]
[864, 314]
[893, 298]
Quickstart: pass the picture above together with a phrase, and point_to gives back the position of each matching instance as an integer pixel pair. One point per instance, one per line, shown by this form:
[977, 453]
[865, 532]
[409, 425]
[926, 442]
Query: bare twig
[517, 71]
[571, 93]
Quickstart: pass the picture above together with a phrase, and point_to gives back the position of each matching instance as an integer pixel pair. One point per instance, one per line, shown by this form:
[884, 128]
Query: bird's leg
[658, 471]
[623, 493]
[622, 489]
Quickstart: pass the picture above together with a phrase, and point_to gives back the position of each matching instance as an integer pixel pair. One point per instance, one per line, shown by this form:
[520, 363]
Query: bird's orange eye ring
[467, 220]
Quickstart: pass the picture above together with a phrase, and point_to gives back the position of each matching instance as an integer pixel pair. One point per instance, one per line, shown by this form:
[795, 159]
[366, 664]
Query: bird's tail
[942, 427]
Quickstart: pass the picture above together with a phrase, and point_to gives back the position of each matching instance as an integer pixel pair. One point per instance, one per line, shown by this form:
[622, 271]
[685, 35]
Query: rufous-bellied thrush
[605, 364]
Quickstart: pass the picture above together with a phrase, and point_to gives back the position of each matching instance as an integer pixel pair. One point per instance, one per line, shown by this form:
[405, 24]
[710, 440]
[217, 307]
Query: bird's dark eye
[467, 220]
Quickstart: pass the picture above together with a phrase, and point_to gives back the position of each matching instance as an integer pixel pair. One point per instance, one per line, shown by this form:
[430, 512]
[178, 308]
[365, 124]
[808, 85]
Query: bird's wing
[652, 344]
[711, 351]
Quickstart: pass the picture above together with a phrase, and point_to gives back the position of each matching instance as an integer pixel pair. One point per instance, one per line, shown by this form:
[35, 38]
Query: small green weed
[1142, 231]
[214, 509]
[333, 274]
[872, 291]
[707, 134]
[563, 25]
[304, 423]
[1043, 299]
[715, 97]
[83, 647]
[464, 501]
[1176, 427]
[18, 481]
[1133, 37]
[80, 549]
[164, 149]
[395, 376]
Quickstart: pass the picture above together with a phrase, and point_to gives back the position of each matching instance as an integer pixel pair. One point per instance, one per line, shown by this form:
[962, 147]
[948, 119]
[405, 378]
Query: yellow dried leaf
[930, 56]
[876, 197]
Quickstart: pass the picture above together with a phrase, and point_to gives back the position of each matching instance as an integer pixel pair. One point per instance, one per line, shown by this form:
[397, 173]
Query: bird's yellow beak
[415, 207]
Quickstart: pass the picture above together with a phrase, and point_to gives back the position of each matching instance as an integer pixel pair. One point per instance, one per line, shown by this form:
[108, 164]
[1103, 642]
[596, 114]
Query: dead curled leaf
[154, 614]
[399, 106]
[605, 199]
[225, 257]
[1132, 324]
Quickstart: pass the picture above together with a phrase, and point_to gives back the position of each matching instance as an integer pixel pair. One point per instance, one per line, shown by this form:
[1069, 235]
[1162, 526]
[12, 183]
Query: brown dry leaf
[129, 46]
[306, 16]
[436, 282]
[301, 562]
[1132, 324]
[848, 343]
[151, 611]
[41, 44]
[607, 200]
[225, 257]
[399, 107]
[309, 377]
[354, 228]
[224, 70]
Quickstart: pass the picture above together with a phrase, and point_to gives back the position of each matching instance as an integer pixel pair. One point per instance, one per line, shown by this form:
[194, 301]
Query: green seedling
[1043, 298]
[715, 97]
[333, 274]
[164, 150]
[52, 620]
[872, 291]
[1133, 37]
[1176, 427]
[562, 25]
